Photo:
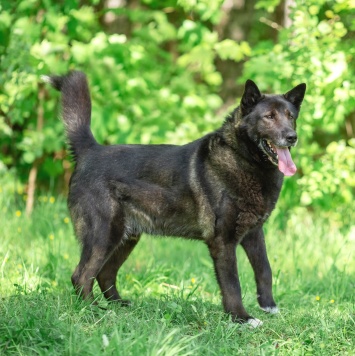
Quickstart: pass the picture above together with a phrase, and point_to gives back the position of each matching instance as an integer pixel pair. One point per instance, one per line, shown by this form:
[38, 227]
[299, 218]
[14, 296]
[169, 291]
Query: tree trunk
[33, 172]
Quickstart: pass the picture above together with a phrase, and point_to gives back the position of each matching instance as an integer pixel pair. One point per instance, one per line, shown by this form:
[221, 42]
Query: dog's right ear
[250, 97]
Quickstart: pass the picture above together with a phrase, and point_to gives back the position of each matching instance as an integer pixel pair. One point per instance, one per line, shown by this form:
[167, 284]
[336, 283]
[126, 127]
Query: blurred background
[163, 71]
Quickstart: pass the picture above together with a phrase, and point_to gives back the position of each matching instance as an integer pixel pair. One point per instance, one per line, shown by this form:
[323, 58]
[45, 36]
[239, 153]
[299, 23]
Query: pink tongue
[286, 165]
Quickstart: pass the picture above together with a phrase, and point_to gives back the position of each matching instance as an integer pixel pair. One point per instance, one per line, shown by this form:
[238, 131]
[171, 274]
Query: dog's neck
[234, 134]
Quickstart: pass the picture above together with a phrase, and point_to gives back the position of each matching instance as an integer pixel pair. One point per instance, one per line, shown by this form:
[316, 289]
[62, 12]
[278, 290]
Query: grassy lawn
[176, 303]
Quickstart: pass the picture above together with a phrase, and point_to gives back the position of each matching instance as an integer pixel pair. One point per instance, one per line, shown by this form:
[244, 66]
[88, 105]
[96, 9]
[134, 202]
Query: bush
[158, 71]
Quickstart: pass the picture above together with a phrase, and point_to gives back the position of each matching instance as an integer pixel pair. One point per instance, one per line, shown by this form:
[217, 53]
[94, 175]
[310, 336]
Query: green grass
[176, 303]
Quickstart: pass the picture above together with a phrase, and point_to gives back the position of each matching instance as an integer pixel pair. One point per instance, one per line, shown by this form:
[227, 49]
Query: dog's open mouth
[279, 156]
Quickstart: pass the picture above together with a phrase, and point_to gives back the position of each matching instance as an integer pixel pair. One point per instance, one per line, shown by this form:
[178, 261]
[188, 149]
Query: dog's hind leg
[254, 246]
[100, 232]
[93, 257]
[108, 273]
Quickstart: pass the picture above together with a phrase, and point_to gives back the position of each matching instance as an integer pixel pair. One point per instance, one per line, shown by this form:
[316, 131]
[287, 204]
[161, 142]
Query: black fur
[219, 189]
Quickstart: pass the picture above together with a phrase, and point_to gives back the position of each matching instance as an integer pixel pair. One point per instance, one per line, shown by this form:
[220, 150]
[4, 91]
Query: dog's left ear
[296, 95]
[250, 97]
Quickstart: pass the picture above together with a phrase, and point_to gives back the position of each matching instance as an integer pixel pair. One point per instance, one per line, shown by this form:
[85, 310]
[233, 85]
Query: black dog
[219, 189]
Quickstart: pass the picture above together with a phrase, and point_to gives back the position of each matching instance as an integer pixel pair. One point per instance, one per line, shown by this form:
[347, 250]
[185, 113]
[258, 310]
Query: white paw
[271, 310]
[254, 322]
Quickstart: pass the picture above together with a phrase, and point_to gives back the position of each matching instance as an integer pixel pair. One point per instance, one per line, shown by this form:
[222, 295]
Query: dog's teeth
[271, 148]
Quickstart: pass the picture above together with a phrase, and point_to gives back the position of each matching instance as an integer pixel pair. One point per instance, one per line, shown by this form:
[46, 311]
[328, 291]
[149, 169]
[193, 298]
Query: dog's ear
[250, 97]
[296, 95]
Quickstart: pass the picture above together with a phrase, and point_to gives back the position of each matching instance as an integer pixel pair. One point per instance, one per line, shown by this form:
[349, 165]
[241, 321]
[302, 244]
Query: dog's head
[270, 121]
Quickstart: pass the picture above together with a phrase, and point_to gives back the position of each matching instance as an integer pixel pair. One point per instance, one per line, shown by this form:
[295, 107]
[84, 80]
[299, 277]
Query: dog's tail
[76, 110]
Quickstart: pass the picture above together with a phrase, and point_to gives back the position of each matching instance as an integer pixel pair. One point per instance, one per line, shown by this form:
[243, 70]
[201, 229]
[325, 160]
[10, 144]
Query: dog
[219, 189]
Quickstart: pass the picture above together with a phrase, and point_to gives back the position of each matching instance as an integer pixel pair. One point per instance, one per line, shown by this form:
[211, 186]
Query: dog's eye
[269, 117]
[291, 116]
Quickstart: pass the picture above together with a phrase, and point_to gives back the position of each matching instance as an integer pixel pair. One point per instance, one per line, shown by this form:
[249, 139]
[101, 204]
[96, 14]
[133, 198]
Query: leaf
[229, 49]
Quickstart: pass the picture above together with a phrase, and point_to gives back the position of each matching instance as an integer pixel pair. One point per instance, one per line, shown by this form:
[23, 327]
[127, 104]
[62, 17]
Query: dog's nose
[291, 137]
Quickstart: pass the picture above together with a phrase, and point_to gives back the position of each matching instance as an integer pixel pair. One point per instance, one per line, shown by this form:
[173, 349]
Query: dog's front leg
[254, 246]
[223, 254]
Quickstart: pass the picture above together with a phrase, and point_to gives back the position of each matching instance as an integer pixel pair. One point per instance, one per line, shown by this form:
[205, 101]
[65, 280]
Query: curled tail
[76, 110]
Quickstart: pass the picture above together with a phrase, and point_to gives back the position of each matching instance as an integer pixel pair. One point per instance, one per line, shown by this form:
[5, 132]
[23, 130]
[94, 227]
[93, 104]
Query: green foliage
[331, 177]
[268, 5]
[317, 49]
[154, 79]
[142, 92]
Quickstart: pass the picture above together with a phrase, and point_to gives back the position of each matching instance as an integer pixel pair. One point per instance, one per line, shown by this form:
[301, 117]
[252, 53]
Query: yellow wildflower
[318, 298]
[18, 213]
[66, 220]
[332, 301]
[51, 237]
[51, 200]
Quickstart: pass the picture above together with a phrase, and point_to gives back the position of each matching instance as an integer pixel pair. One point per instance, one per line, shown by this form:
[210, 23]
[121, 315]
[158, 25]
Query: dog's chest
[255, 200]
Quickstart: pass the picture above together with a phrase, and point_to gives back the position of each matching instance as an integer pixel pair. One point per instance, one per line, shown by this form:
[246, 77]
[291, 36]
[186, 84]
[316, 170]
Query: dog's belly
[159, 210]
[178, 224]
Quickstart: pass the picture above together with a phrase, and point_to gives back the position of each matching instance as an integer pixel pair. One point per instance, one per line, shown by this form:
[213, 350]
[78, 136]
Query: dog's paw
[121, 302]
[254, 323]
[270, 310]
[125, 302]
